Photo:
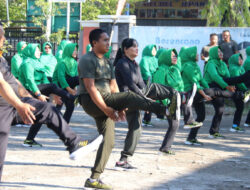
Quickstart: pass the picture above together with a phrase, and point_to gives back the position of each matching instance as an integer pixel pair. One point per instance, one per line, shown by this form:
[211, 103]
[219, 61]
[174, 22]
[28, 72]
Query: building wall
[170, 13]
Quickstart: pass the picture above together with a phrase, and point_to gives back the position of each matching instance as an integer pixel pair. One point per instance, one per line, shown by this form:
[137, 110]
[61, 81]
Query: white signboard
[177, 37]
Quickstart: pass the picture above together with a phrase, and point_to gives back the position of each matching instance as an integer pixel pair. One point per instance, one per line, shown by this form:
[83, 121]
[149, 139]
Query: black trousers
[239, 105]
[133, 134]
[45, 113]
[170, 134]
[147, 115]
[68, 99]
[218, 103]
[72, 81]
[248, 118]
[199, 106]
[134, 118]
[120, 101]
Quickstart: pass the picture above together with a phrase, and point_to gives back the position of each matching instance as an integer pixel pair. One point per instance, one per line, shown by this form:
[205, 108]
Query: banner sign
[177, 37]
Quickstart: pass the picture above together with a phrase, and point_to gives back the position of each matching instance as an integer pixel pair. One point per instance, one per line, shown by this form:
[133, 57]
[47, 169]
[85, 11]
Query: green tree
[43, 13]
[17, 11]
[232, 13]
[92, 8]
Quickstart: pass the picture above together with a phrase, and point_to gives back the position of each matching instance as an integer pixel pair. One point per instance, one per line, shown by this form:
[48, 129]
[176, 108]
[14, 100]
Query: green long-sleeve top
[247, 61]
[17, 59]
[66, 68]
[60, 49]
[215, 70]
[148, 63]
[29, 75]
[168, 73]
[191, 72]
[236, 70]
[48, 61]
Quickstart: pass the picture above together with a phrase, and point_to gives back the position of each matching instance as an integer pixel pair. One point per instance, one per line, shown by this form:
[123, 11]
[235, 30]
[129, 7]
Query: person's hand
[208, 98]
[72, 91]
[43, 98]
[122, 115]
[231, 88]
[110, 112]
[26, 114]
[57, 99]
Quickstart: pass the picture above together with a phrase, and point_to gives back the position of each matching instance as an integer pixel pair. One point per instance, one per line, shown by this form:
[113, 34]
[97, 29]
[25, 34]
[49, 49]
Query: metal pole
[7, 10]
[48, 28]
[68, 20]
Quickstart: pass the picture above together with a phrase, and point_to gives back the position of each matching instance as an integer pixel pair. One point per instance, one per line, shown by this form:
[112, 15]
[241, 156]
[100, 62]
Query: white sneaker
[84, 150]
[237, 129]
[211, 136]
[193, 142]
[246, 125]
[191, 99]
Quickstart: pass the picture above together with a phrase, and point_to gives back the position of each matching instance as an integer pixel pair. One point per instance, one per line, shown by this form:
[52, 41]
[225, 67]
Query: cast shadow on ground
[21, 185]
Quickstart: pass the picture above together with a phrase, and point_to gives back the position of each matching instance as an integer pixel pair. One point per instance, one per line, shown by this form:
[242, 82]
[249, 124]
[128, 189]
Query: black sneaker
[31, 143]
[124, 166]
[85, 147]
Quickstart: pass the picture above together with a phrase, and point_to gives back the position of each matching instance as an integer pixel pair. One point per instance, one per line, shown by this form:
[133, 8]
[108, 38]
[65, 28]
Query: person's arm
[236, 73]
[204, 83]
[113, 86]
[211, 69]
[188, 72]
[24, 110]
[235, 47]
[28, 73]
[22, 91]
[61, 71]
[145, 71]
[204, 95]
[96, 97]
[202, 54]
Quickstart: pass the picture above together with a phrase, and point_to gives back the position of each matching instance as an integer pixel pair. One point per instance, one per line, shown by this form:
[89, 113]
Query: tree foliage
[92, 8]
[17, 10]
[232, 13]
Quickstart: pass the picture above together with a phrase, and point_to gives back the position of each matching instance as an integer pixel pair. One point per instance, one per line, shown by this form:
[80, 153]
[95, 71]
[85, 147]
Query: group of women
[182, 73]
[44, 75]
[57, 76]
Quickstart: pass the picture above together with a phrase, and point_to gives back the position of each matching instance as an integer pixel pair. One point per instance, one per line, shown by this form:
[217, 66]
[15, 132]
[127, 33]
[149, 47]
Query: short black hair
[95, 35]
[213, 34]
[226, 31]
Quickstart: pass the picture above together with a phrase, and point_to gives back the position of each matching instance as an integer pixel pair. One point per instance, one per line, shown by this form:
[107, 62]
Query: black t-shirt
[8, 77]
[228, 49]
[128, 76]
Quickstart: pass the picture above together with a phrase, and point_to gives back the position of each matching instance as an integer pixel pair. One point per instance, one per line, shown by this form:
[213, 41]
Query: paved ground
[219, 164]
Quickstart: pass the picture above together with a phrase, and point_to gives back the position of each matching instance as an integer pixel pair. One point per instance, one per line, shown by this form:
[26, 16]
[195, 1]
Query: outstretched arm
[24, 110]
